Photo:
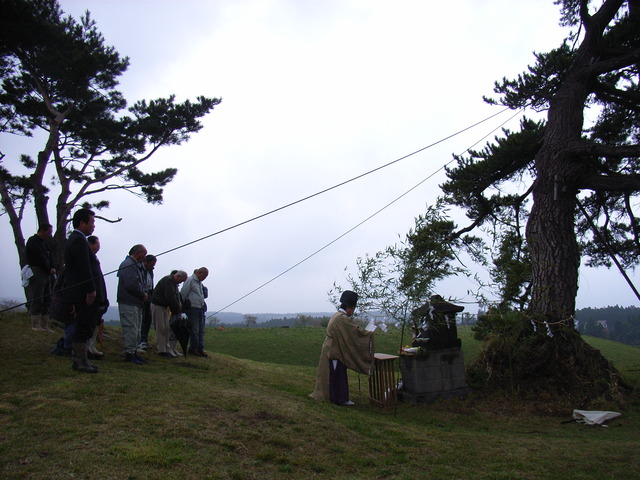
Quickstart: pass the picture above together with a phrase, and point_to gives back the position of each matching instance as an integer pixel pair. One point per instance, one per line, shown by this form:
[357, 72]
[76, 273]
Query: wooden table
[383, 383]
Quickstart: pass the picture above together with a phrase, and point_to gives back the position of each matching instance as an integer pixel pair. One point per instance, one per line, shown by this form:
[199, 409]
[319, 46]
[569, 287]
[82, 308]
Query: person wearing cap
[345, 346]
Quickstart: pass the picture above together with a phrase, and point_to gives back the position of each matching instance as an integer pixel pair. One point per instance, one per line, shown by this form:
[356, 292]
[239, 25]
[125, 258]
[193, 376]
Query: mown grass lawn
[243, 413]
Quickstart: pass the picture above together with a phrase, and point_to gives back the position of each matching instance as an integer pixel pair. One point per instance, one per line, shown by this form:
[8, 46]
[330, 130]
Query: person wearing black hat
[345, 346]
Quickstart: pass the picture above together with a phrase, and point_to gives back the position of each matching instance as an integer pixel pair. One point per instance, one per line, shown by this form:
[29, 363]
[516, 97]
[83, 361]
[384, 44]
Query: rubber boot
[91, 364]
[80, 362]
[44, 323]
[36, 323]
[91, 344]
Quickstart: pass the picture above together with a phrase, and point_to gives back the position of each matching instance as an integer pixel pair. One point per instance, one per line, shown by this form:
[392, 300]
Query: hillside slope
[228, 418]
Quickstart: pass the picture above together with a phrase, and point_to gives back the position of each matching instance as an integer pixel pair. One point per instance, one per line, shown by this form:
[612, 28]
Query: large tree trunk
[551, 231]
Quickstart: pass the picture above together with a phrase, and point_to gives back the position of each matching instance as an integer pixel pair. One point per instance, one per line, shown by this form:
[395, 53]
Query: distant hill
[232, 317]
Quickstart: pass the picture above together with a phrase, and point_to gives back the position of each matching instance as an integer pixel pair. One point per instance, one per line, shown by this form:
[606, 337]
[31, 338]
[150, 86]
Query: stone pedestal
[437, 374]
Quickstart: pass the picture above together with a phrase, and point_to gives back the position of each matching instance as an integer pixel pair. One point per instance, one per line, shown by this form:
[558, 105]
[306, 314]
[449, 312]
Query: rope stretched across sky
[366, 219]
[330, 188]
[393, 162]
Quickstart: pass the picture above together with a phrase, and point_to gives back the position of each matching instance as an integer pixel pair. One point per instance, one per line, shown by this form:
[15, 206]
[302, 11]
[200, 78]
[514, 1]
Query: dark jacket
[78, 276]
[130, 283]
[38, 254]
[166, 294]
[101, 288]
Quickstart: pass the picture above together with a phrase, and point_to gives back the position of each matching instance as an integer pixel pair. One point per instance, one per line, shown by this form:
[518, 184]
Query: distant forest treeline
[621, 324]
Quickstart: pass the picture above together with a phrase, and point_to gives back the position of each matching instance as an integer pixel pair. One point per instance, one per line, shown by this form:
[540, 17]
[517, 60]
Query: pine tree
[58, 85]
[542, 189]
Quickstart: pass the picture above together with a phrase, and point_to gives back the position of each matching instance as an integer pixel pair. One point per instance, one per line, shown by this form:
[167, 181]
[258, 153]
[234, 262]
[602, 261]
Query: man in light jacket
[131, 298]
[193, 296]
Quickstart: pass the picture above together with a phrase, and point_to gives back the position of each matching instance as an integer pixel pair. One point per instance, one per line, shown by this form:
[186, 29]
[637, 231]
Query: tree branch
[584, 147]
[629, 58]
[611, 183]
[108, 220]
[84, 191]
[603, 16]
[628, 98]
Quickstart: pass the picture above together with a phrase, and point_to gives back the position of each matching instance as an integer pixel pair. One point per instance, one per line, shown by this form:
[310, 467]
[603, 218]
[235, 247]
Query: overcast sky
[313, 93]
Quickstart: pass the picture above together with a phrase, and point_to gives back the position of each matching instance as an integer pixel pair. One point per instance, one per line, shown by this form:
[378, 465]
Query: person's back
[130, 287]
[166, 293]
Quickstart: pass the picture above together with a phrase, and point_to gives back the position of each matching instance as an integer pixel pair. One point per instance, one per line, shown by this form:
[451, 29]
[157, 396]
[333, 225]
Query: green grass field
[243, 413]
[301, 345]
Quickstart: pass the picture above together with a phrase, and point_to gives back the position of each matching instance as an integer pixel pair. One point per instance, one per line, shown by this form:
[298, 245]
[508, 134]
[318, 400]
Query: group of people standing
[82, 299]
[190, 300]
[82, 296]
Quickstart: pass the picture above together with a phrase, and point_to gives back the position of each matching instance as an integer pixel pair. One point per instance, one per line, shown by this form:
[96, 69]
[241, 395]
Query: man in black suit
[80, 287]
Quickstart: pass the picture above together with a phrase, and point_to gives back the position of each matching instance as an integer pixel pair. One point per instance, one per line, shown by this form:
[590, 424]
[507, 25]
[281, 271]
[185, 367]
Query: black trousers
[338, 382]
[86, 321]
[146, 323]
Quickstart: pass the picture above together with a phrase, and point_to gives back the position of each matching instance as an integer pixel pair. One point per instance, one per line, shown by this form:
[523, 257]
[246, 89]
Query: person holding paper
[345, 346]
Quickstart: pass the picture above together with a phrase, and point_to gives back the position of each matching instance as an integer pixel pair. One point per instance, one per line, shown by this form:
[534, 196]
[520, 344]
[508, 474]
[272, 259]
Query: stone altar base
[438, 374]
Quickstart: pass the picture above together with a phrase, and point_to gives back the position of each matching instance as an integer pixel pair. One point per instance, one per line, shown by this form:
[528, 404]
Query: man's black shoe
[131, 358]
[142, 359]
[84, 368]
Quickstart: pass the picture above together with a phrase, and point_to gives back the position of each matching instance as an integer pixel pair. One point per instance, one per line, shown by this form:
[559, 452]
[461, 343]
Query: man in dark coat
[166, 301]
[146, 267]
[80, 287]
[40, 284]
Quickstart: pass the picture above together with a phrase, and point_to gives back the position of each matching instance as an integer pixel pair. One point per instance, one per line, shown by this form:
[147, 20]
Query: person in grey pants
[192, 294]
[131, 297]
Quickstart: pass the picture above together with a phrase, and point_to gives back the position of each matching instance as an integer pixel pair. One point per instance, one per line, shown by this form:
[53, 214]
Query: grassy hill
[243, 413]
